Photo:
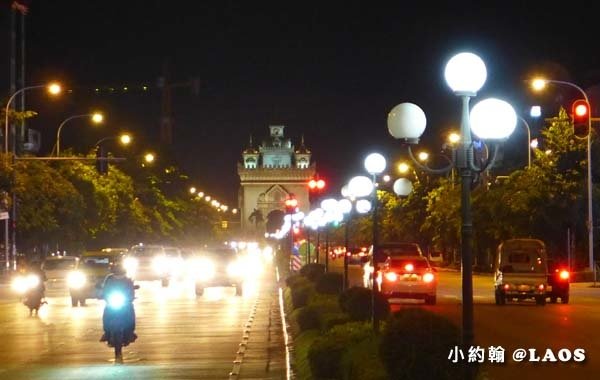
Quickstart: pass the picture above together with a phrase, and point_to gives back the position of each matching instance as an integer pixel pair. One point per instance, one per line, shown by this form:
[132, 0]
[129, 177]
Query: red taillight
[428, 277]
[409, 267]
[506, 286]
[541, 286]
[564, 274]
[391, 276]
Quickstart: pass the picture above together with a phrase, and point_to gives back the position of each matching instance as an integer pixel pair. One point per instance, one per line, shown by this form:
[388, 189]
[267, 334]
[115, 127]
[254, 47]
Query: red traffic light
[580, 111]
[291, 203]
[316, 184]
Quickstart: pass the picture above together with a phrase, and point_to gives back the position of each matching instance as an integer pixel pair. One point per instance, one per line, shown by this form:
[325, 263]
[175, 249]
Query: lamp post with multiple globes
[490, 119]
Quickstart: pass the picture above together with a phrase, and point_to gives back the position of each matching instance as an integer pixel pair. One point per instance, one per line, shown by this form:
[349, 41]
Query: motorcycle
[32, 290]
[119, 312]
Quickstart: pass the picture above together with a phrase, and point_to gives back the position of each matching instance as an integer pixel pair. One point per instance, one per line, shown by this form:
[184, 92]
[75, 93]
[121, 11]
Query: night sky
[331, 73]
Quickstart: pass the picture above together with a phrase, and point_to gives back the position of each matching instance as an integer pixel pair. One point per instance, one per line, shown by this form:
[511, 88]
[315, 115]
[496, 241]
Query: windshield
[401, 250]
[220, 254]
[59, 264]
[146, 251]
[95, 262]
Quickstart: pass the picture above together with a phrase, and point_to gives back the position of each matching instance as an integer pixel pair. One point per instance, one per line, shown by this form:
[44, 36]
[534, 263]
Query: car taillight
[391, 276]
[428, 277]
[409, 267]
[506, 286]
[564, 274]
[541, 286]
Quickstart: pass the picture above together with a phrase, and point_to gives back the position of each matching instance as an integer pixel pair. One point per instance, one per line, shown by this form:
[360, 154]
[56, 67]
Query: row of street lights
[220, 207]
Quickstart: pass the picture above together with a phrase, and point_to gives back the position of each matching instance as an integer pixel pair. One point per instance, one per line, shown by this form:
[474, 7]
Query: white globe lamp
[375, 163]
[407, 122]
[360, 186]
[402, 187]
[493, 119]
[363, 206]
[465, 73]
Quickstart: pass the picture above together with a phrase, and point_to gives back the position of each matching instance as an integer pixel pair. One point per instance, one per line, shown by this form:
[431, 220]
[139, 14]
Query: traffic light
[101, 162]
[316, 184]
[580, 112]
[291, 205]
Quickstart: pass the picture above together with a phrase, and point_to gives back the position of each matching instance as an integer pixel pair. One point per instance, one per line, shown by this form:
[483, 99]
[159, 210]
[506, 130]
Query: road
[522, 325]
[181, 336]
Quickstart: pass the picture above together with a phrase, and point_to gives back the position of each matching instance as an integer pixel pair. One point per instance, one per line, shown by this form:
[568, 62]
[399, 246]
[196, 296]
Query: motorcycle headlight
[32, 281]
[116, 300]
[76, 280]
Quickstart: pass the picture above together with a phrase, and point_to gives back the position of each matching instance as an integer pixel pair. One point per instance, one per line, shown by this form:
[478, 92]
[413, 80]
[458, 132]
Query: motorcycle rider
[34, 296]
[117, 280]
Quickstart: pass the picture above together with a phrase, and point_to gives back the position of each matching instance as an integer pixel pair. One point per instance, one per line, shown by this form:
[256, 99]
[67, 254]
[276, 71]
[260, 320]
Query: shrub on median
[300, 289]
[330, 283]
[321, 313]
[415, 345]
[312, 271]
[356, 301]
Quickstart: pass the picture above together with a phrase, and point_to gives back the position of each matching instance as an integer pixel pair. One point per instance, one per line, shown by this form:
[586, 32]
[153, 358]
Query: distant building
[269, 174]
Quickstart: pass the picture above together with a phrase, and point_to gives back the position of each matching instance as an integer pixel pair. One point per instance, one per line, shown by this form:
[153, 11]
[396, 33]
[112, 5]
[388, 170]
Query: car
[387, 250]
[91, 270]
[408, 277]
[218, 267]
[57, 268]
[521, 271]
[153, 262]
[558, 281]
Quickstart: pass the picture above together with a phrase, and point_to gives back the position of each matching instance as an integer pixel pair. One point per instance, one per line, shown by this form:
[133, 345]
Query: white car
[57, 268]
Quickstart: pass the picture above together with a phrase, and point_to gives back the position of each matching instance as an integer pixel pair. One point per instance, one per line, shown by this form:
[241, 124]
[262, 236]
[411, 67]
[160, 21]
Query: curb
[287, 338]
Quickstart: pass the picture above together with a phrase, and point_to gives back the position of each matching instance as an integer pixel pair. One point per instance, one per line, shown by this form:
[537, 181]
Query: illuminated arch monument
[268, 174]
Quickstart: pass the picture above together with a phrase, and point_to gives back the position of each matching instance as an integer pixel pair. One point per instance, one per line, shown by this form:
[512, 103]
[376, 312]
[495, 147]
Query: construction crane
[167, 86]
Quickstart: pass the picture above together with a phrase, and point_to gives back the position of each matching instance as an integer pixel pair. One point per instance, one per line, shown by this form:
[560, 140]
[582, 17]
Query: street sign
[4, 215]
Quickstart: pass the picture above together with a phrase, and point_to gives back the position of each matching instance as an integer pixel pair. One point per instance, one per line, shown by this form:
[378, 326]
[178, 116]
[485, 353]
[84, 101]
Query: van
[521, 271]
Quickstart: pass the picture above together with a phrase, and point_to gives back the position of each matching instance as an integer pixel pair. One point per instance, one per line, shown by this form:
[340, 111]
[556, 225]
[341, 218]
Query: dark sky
[330, 72]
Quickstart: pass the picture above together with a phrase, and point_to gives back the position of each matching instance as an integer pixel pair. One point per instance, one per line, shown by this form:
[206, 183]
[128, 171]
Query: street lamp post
[53, 89]
[539, 84]
[96, 118]
[465, 74]
[526, 125]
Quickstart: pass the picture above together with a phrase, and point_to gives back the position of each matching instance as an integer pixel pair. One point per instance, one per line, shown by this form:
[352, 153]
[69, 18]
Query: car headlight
[116, 300]
[76, 280]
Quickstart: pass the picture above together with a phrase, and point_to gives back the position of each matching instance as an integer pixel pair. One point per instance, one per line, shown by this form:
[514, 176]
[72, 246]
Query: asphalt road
[521, 325]
[181, 336]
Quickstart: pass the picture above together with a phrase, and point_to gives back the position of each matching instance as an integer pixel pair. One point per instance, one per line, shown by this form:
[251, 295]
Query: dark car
[218, 267]
[91, 270]
[558, 281]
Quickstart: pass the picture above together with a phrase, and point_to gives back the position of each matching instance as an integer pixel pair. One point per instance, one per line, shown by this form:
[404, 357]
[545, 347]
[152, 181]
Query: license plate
[410, 277]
